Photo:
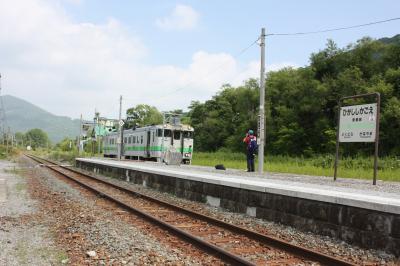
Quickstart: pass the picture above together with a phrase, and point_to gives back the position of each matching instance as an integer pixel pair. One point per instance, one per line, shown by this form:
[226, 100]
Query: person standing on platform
[251, 149]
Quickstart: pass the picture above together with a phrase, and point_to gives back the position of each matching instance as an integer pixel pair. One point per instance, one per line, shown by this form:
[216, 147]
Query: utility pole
[80, 136]
[7, 136]
[163, 139]
[120, 129]
[3, 120]
[98, 136]
[261, 122]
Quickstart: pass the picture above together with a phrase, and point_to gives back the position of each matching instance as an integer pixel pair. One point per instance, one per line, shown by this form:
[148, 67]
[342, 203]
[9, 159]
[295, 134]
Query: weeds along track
[229, 243]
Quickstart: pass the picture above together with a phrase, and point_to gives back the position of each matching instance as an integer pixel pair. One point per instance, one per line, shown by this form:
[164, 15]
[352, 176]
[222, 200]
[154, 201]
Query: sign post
[358, 123]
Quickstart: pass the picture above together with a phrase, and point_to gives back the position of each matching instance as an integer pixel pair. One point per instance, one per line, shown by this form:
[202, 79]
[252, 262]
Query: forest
[302, 103]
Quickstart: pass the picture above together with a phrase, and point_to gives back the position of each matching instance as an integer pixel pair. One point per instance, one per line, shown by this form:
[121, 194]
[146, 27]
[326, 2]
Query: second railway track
[232, 244]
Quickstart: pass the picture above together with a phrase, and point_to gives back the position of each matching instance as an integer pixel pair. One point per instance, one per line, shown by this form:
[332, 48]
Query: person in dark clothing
[251, 143]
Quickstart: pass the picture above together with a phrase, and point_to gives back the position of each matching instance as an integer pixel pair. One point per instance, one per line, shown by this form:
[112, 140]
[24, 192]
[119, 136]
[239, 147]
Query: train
[146, 143]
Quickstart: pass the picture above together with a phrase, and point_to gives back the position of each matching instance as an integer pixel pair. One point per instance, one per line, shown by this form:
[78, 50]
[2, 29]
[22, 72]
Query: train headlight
[188, 154]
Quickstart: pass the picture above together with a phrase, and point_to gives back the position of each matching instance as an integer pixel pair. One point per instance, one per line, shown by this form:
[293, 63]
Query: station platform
[352, 194]
[352, 210]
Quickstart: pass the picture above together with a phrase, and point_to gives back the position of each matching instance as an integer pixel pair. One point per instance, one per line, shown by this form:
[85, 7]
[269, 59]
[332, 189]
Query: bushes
[7, 152]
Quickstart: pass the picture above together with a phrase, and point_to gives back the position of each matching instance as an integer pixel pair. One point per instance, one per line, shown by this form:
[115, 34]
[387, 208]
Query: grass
[8, 153]
[19, 187]
[61, 156]
[61, 255]
[358, 167]
[22, 253]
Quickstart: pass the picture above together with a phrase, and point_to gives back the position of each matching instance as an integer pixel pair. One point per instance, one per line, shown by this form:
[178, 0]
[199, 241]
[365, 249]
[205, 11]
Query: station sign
[358, 123]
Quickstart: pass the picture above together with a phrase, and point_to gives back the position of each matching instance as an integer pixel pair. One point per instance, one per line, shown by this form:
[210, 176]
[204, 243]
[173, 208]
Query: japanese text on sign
[358, 123]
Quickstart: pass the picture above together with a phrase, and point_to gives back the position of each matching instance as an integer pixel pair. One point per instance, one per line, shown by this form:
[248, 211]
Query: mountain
[392, 40]
[22, 116]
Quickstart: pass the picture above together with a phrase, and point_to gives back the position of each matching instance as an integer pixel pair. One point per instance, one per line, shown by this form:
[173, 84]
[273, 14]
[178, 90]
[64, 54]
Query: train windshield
[167, 133]
[177, 134]
[188, 134]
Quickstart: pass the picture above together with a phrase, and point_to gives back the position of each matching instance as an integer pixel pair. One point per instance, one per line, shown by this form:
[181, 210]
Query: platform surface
[385, 196]
[3, 190]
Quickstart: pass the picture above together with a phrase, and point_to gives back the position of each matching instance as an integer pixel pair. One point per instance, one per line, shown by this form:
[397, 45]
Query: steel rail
[268, 240]
[208, 247]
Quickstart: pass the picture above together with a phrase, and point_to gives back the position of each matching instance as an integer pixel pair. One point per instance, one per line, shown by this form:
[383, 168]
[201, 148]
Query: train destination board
[358, 123]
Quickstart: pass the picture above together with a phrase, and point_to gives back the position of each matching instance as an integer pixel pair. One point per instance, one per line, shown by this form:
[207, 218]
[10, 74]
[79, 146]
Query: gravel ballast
[94, 232]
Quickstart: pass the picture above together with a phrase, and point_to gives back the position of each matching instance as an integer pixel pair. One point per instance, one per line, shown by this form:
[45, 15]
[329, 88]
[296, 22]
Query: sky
[73, 57]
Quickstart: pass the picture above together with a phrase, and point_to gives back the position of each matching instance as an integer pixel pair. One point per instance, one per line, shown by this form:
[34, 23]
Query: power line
[282, 34]
[334, 29]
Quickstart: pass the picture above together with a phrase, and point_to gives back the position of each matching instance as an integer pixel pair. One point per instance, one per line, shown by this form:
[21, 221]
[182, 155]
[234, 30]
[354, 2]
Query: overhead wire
[333, 29]
[281, 34]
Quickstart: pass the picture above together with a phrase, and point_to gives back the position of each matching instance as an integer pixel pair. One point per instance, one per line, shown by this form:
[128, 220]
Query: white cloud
[70, 68]
[74, 2]
[182, 18]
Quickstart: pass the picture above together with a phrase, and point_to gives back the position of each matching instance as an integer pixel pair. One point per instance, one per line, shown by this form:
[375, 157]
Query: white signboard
[358, 123]
[121, 123]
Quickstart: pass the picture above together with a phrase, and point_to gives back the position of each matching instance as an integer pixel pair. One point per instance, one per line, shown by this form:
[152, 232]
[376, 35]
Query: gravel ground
[22, 240]
[363, 186]
[82, 223]
[321, 243]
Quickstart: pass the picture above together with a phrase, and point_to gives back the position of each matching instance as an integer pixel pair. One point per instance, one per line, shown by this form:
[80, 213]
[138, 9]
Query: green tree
[37, 138]
[301, 104]
[67, 144]
[143, 114]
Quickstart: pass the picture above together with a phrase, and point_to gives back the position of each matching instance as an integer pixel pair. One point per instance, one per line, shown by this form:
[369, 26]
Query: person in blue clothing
[251, 148]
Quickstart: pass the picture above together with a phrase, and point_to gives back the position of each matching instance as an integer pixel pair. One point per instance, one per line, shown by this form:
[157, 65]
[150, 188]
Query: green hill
[392, 40]
[22, 116]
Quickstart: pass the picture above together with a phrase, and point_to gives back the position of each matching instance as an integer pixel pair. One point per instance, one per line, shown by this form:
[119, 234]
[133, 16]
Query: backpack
[253, 146]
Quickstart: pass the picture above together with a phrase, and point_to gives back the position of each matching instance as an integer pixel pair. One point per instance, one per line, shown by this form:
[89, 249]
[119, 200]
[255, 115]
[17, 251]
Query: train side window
[137, 139]
[125, 141]
[159, 132]
[177, 135]
[141, 139]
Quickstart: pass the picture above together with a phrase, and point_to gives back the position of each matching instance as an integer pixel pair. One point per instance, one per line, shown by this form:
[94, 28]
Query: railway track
[230, 243]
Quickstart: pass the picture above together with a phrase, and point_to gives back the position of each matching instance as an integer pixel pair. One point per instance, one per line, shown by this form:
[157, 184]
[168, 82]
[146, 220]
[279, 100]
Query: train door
[148, 144]
[176, 140]
[182, 143]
